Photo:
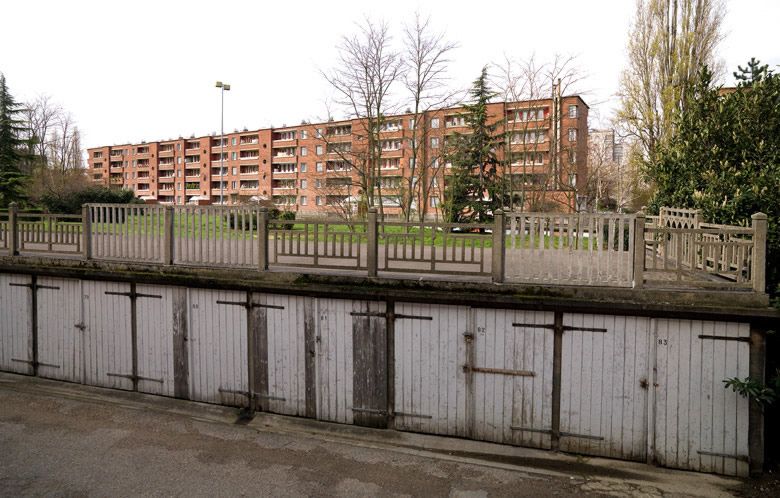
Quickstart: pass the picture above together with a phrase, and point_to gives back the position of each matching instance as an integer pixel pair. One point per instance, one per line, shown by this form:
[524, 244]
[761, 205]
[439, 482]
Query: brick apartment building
[312, 168]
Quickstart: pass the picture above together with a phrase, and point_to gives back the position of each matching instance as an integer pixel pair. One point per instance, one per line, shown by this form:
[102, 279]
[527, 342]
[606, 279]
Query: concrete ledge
[679, 303]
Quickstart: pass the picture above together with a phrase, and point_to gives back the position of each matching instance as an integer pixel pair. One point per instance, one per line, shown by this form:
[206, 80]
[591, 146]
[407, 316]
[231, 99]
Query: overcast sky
[145, 70]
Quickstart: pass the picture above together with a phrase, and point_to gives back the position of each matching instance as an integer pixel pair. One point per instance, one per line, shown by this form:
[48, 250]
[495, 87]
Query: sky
[145, 70]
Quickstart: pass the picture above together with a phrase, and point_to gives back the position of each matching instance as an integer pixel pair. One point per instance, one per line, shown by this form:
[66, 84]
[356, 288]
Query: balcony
[283, 169]
[248, 141]
[249, 155]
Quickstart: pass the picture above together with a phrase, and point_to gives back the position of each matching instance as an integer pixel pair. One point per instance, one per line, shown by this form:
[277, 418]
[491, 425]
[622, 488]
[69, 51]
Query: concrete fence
[673, 249]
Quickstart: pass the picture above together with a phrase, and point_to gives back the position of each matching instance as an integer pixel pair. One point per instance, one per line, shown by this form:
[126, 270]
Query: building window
[434, 143]
[411, 123]
[454, 121]
[304, 151]
[434, 202]
[233, 155]
[318, 150]
[304, 183]
[304, 136]
[303, 200]
[390, 163]
[572, 134]
[303, 167]
[573, 111]
[319, 167]
[319, 200]
[233, 141]
[572, 156]
[178, 146]
[178, 160]
[435, 123]
[233, 184]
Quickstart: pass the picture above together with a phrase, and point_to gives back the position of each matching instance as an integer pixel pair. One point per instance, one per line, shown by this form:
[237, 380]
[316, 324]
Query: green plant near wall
[753, 389]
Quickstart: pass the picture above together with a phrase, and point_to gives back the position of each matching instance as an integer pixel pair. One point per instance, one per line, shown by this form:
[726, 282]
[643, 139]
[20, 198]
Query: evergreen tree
[475, 189]
[725, 157]
[12, 146]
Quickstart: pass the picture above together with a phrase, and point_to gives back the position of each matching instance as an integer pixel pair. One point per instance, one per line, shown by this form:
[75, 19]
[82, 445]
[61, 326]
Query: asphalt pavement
[59, 439]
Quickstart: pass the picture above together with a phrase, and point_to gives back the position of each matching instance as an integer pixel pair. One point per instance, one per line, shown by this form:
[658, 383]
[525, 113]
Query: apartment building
[315, 168]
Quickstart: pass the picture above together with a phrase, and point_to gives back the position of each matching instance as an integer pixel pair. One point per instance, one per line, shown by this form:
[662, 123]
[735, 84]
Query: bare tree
[426, 53]
[669, 42]
[54, 137]
[64, 147]
[43, 116]
[367, 70]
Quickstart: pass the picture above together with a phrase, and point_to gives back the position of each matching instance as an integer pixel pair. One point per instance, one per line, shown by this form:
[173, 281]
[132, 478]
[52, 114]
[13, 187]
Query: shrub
[70, 203]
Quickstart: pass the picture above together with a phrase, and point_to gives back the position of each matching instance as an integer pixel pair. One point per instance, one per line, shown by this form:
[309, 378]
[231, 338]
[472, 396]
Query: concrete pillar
[13, 229]
[639, 250]
[86, 232]
[262, 238]
[759, 252]
[168, 235]
[499, 247]
[373, 250]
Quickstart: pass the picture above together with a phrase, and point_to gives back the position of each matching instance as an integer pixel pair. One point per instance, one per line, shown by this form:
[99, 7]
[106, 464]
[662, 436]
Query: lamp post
[223, 87]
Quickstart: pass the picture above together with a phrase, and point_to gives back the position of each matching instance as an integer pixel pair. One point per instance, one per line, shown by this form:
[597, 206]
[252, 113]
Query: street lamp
[223, 87]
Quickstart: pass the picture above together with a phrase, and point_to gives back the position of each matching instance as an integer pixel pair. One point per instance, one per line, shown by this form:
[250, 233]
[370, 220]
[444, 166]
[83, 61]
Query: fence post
[86, 232]
[13, 229]
[262, 238]
[759, 252]
[639, 250]
[373, 250]
[168, 235]
[499, 247]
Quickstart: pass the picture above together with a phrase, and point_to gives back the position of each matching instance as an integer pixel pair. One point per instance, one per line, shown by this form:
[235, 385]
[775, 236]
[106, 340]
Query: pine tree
[475, 189]
[12, 143]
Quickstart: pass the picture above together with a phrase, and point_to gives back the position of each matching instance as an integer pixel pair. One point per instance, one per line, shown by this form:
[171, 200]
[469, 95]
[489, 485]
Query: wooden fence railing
[49, 233]
[675, 248]
[578, 249]
[435, 247]
[133, 232]
[313, 243]
[215, 236]
[5, 233]
[683, 249]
